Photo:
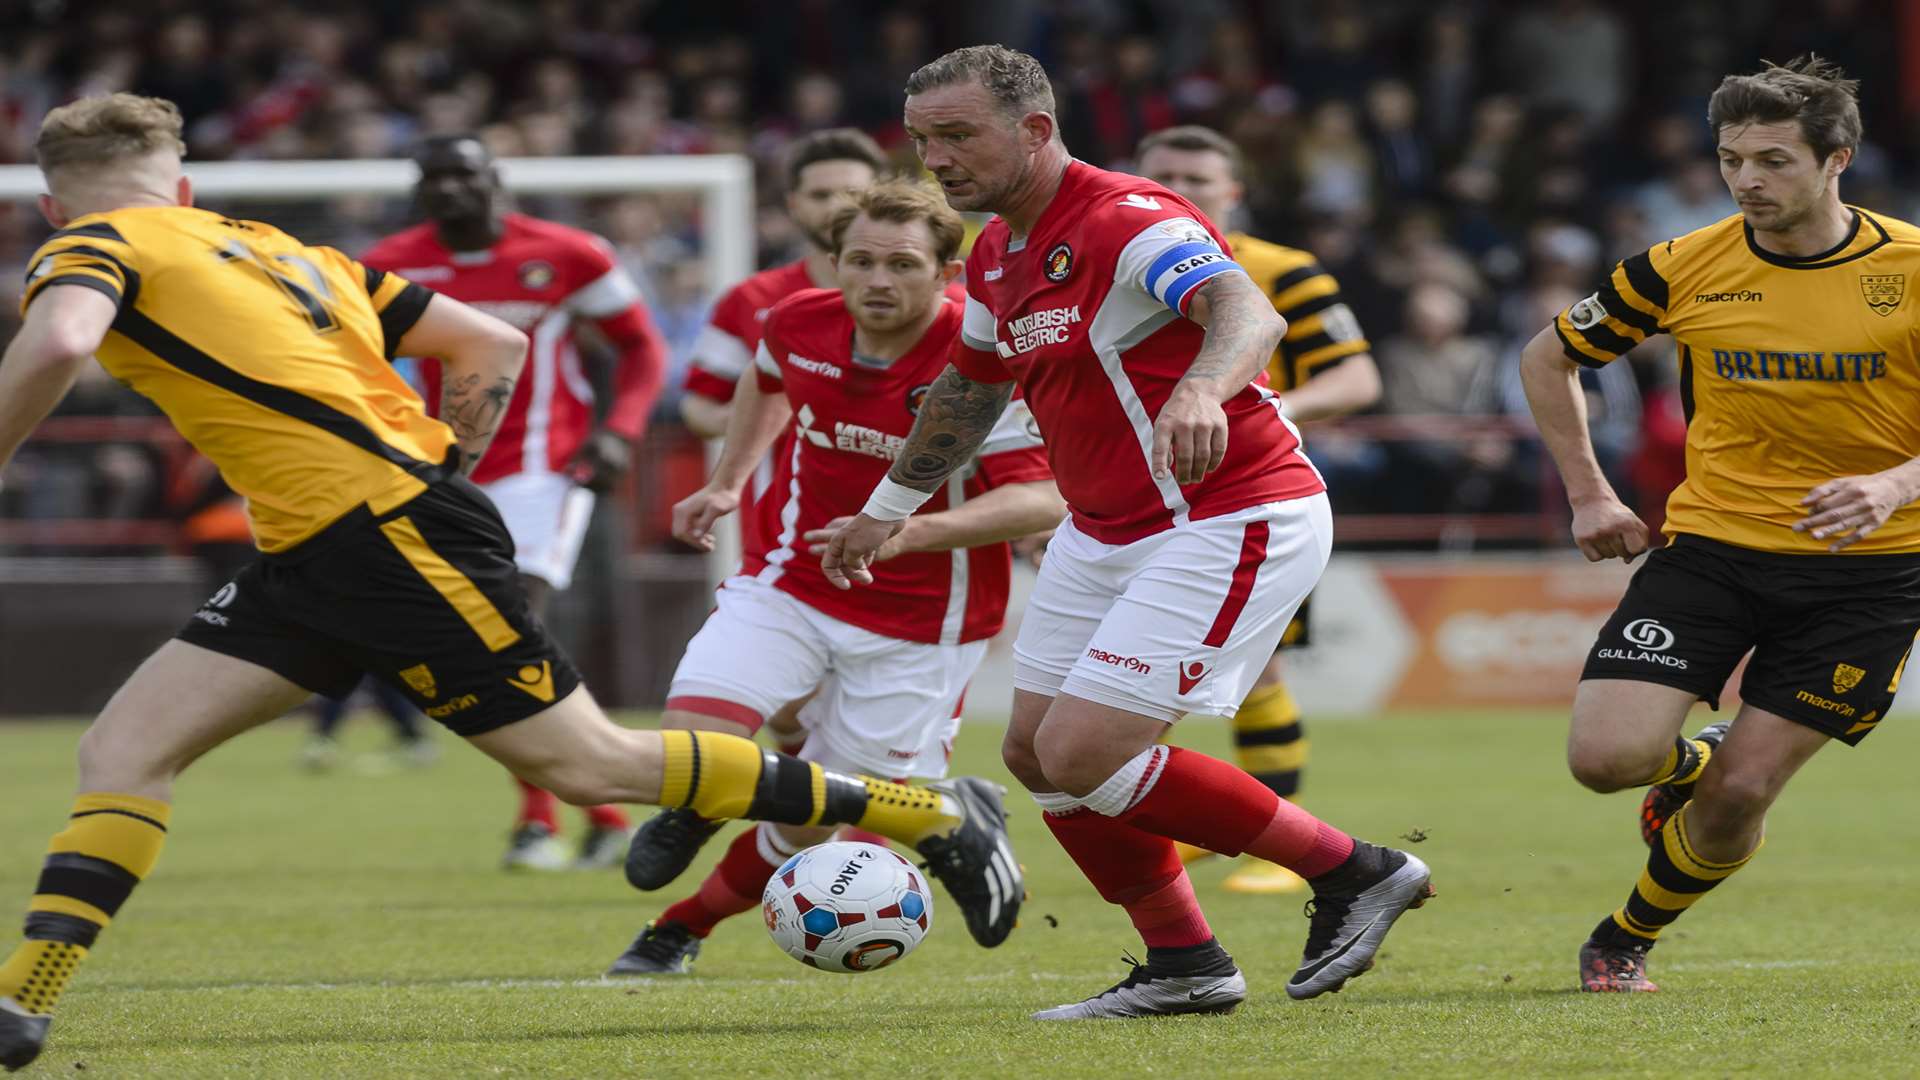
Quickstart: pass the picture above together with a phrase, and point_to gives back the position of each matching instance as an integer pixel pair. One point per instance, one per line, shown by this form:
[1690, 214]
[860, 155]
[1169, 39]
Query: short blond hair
[902, 201]
[107, 130]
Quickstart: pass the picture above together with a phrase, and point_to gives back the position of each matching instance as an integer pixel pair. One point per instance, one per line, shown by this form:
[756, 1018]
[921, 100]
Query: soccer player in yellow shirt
[1323, 368]
[377, 556]
[1794, 533]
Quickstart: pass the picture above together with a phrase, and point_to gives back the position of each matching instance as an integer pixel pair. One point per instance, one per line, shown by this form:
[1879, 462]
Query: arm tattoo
[955, 417]
[473, 411]
[1241, 334]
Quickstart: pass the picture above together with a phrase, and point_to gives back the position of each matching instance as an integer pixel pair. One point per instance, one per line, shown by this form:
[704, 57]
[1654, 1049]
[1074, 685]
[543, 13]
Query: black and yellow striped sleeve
[1321, 329]
[397, 301]
[93, 255]
[1628, 308]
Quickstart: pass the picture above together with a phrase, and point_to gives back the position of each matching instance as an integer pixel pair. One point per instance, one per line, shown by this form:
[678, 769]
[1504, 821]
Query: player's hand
[694, 516]
[1033, 548]
[854, 547]
[1190, 436]
[1851, 508]
[601, 461]
[818, 539]
[1606, 529]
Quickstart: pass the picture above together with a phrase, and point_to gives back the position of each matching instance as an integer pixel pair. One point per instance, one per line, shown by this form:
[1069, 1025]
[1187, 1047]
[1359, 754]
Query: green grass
[355, 925]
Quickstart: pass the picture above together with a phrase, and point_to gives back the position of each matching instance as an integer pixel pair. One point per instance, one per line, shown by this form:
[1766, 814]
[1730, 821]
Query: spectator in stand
[1570, 53]
[1434, 369]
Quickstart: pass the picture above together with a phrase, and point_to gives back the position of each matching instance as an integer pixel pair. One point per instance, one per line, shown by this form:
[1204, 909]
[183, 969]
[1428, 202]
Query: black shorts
[424, 597]
[1299, 632]
[1830, 634]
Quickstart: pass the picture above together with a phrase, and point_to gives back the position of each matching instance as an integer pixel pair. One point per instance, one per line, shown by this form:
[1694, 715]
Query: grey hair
[1015, 80]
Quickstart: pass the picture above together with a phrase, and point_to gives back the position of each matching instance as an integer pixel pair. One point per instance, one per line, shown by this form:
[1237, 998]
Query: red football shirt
[1086, 314]
[539, 277]
[726, 344]
[850, 421]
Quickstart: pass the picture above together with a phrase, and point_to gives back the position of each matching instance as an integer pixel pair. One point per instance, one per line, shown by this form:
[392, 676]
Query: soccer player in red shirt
[842, 375]
[823, 171]
[1197, 527]
[550, 458]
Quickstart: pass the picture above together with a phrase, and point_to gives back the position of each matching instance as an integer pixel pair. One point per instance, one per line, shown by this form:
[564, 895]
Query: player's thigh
[759, 650]
[892, 706]
[1082, 743]
[1835, 641]
[1016, 748]
[1202, 614]
[1075, 589]
[183, 701]
[575, 751]
[1689, 614]
[547, 515]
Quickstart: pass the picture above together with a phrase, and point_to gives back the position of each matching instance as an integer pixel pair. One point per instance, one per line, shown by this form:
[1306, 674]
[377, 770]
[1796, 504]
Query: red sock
[607, 817]
[1137, 870]
[790, 745]
[734, 886]
[537, 806]
[1206, 802]
[861, 836]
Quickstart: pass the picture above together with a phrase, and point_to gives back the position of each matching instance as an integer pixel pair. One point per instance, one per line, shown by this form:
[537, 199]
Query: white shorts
[1180, 622]
[885, 707]
[547, 515]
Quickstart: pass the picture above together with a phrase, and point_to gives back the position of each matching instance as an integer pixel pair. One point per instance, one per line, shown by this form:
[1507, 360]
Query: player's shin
[725, 776]
[1138, 871]
[735, 884]
[1674, 880]
[110, 843]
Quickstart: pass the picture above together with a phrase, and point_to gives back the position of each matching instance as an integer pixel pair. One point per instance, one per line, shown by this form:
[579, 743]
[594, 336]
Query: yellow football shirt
[270, 356]
[1321, 329]
[1793, 372]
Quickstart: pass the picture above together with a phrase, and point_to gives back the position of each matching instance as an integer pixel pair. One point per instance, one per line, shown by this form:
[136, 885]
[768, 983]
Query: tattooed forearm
[473, 407]
[955, 417]
[1242, 332]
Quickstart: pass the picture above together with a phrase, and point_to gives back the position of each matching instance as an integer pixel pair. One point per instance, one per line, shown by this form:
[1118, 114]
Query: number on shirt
[314, 297]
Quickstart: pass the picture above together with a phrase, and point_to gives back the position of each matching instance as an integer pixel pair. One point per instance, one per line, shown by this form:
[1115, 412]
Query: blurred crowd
[1466, 169]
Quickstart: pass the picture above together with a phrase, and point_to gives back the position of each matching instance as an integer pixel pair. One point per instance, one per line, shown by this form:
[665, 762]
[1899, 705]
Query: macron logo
[1141, 202]
[817, 367]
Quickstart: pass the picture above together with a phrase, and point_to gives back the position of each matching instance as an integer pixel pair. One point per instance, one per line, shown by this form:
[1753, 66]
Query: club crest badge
[1846, 677]
[536, 274]
[1059, 263]
[1883, 292]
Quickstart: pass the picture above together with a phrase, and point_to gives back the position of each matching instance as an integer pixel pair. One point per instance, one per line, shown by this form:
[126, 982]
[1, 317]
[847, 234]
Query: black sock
[1368, 864]
[1206, 958]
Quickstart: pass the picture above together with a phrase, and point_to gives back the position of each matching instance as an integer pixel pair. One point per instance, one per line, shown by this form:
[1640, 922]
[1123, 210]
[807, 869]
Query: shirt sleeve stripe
[1646, 280]
[97, 284]
[1309, 307]
[1183, 286]
[1621, 309]
[1318, 360]
[98, 230]
[401, 313]
[1294, 277]
[1579, 352]
[1306, 292]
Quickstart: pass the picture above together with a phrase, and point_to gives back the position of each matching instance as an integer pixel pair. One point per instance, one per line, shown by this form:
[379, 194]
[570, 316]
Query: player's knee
[1018, 754]
[1074, 759]
[1729, 797]
[1604, 768]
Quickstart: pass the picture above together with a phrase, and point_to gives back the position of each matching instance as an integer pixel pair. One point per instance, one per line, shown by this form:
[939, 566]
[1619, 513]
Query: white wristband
[894, 502]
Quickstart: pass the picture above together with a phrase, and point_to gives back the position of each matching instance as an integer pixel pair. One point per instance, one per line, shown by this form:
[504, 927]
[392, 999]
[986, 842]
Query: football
[847, 907]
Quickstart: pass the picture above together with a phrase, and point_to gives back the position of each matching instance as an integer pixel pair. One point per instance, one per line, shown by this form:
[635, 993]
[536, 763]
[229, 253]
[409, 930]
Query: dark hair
[434, 143]
[1194, 139]
[901, 200]
[1015, 80]
[833, 144]
[1813, 91]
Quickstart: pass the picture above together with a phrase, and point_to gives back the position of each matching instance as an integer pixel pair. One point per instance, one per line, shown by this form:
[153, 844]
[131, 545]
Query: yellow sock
[110, 843]
[1674, 880]
[725, 776]
[1685, 761]
[1270, 739]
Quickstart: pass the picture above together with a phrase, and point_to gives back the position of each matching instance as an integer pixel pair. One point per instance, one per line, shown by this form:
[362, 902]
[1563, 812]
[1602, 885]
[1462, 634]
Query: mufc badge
[536, 274]
[1059, 263]
[915, 396]
[1883, 292]
[1846, 677]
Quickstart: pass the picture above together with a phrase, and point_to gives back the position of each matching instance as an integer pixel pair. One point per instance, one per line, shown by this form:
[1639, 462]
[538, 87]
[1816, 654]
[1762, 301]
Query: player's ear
[950, 270]
[1038, 129]
[184, 193]
[1838, 161]
[55, 214]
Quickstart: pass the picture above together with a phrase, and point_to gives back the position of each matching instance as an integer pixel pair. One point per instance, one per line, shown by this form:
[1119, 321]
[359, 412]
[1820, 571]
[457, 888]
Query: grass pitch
[355, 925]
